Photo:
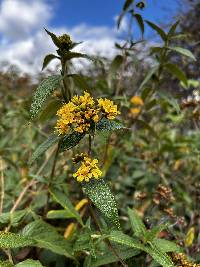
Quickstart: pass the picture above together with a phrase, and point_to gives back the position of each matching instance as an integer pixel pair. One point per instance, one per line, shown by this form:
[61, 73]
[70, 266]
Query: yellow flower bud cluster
[82, 111]
[87, 170]
[181, 260]
[137, 102]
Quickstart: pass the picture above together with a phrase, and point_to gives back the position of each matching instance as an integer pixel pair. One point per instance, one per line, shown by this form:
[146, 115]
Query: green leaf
[172, 29]
[152, 233]
[71, 140]
[44, 90]
[59, 214]
[54, 38]
[48, 59]
[121, 238]
[177, 72]
[160, 31]
[137, 224]
[64, 201]
[166, 245]
[126, 6]
[108, 125]
[114, 67]
[11, 240]
[50, 110]
[148, 127]
[29, 263]
[182, 51]
[69, 55]
[79, 80]
[140, 22]
[47, 237]
[6, 264]
[171, 100]
[13, 218]
[107, 257]
[43, 147]
[148, 77]
[162, 258]
[100, 194]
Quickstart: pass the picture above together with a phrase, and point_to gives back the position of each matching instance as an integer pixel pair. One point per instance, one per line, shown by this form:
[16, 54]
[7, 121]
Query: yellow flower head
[87, 170]
[108, 108]
[137, 100]
[83, 110]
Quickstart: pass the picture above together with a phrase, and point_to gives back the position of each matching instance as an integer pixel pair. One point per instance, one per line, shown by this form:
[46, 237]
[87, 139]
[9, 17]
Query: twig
[89, 145]
[2, 187]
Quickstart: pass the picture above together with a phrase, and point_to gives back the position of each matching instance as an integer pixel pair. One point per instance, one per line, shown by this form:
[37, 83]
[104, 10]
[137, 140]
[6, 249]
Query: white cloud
[22, 22]
[18, 18]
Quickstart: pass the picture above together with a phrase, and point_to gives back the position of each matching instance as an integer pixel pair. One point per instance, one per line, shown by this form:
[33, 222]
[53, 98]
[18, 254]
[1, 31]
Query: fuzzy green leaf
[100, 194]
[12, 218]
[166, 245]
[64, 201]
[70, 140]
[137, 224]
[47, 237]
[43, 147]
[156, 253]
[108, 125]
[48, 59]
[11, 240]
[44, 90]
[106, 257]
[29, 263]
[121, 238]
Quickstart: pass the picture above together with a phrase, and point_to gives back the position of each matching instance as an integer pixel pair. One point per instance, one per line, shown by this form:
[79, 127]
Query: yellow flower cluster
[81, 111]
[108, 108]
[87, 170]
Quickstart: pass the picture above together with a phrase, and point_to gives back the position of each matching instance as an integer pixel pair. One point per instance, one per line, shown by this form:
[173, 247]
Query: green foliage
[44, 90]
[11, 240]
[106, 125]
[47, 237]
[152, 163]
[137, 225]
[48, 59]
[71, 140]
[30, 263]
[63, 200]
[100, 194]
[53, 139]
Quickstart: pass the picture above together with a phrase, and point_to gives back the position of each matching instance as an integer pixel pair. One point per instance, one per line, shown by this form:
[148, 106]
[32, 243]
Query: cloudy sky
[24, 43]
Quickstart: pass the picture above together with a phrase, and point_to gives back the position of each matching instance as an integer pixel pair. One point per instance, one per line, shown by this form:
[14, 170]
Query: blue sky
[24, 43]
[102, 12]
